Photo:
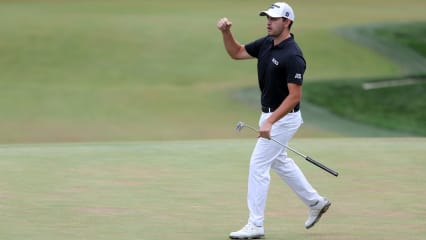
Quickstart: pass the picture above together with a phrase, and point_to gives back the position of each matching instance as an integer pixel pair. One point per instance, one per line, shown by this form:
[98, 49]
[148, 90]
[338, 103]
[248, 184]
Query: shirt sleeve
[296, 67]
[254, 47]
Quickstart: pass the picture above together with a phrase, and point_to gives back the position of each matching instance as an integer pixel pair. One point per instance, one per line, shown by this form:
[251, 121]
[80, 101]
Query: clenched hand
[224, 24]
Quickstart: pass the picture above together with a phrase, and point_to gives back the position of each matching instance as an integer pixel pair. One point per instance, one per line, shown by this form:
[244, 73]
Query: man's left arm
[293, 98]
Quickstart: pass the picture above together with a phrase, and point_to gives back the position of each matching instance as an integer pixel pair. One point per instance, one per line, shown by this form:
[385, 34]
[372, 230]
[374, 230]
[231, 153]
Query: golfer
[280, 67]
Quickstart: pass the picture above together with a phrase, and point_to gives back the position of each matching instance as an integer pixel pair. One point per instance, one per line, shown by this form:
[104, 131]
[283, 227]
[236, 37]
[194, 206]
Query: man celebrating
[280, 70]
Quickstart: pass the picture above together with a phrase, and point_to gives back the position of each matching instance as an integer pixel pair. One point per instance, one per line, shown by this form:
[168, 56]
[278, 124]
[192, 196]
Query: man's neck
[284, 36]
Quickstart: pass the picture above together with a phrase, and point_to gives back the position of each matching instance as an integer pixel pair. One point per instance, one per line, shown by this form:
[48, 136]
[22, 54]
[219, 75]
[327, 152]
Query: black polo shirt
[277, 66]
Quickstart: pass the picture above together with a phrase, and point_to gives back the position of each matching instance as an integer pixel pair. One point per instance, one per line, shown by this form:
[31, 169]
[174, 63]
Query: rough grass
[397, 108]
[411, 35]
[178, 190]
[402, 43]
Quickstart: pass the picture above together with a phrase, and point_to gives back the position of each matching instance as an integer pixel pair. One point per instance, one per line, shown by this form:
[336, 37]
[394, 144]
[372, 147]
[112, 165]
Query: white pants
[267, 154]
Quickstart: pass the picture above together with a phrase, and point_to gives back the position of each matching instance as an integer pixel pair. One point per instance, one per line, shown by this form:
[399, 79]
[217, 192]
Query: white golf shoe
[249, 231]
[316, 212]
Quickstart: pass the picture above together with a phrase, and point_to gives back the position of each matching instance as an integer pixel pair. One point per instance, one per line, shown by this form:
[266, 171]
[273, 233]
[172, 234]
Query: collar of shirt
[283, 43]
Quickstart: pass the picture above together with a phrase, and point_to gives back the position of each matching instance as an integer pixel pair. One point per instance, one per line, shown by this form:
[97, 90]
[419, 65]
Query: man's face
[275, 26]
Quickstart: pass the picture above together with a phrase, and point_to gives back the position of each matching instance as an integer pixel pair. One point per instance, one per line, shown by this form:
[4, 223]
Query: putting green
[197, 189]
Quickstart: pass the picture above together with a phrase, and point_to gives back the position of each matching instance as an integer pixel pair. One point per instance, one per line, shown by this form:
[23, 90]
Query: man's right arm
[234, 49]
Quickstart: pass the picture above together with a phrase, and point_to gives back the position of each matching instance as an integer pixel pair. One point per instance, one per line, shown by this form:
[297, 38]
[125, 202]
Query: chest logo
[274, 61]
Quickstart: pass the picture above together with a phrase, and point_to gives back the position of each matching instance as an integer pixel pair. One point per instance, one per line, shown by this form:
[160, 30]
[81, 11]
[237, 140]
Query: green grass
[138, 70]
[411, 35]
[197, 190]
[135, 70]
[403, 43]
[396, 108]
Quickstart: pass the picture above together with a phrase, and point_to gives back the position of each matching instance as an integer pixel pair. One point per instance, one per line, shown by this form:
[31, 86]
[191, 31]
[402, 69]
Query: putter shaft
[241, 125]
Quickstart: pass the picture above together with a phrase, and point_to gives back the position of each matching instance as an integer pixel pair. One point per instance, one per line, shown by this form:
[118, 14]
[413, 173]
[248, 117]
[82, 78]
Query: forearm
[234, 49]
[286, 106]
[232, 46]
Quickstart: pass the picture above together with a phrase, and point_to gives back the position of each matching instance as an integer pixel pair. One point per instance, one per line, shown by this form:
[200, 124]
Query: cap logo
[274, 6]
[287, 14]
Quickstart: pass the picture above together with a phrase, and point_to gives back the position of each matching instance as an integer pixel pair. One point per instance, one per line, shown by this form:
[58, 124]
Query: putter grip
[320, 165]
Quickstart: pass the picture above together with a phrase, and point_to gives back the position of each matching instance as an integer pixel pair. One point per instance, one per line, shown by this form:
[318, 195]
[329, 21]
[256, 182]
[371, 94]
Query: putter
[241, 125]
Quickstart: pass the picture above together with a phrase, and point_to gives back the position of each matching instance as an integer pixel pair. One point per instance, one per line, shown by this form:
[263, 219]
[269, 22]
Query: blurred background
[79, 71]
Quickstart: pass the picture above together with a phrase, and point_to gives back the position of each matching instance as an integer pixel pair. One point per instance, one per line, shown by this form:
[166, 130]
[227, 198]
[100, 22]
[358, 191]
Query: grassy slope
[177, 190]
[396, 108]
[128, 70]
[404, 43]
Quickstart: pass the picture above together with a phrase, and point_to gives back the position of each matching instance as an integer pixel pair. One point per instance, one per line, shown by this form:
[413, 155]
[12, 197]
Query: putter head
[240, 126]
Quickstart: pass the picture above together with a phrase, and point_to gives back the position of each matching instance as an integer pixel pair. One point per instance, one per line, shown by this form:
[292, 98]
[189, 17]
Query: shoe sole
[323, 210]
[254, 237]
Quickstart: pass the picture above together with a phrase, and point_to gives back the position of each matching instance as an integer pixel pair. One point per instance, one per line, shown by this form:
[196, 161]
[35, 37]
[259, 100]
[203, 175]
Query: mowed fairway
[197, 189]
[156, 70]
